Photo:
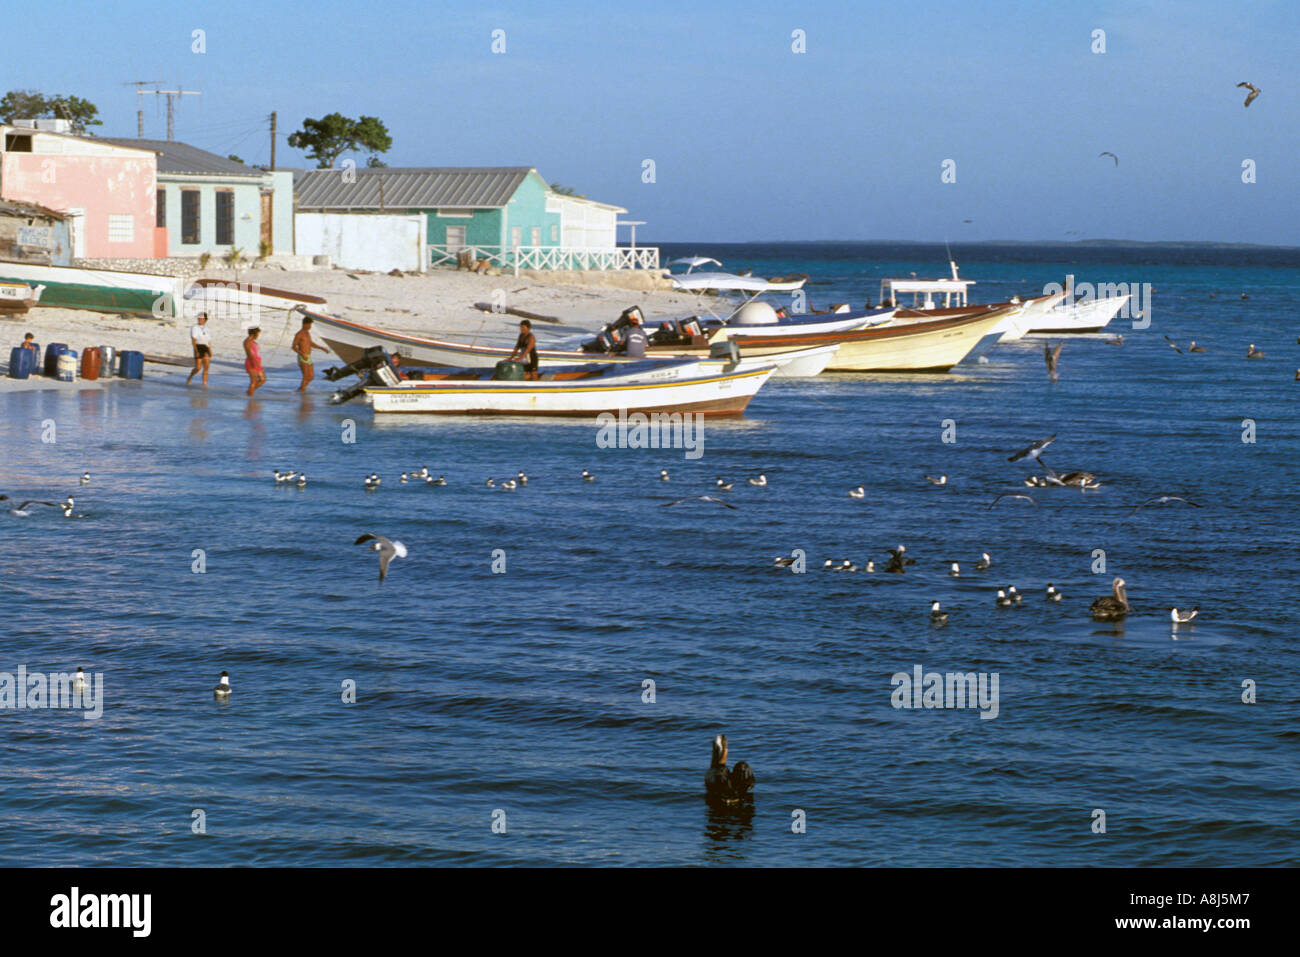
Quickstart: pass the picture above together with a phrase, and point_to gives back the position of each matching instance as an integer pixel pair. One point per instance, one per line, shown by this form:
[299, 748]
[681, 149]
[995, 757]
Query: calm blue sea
[479, 693]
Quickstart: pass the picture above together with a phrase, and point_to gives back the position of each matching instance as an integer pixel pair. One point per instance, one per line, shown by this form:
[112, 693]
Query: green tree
[566, 191]
[31, 104]
[328, 138]
[232, 157]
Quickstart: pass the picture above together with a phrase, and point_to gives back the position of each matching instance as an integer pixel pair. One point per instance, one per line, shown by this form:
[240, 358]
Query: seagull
[22, 511]
[1052, 593]
[587, 476]
[85, 480]
[1051, 356]
[440, 480]
[1195, 348]
[491, 483]
[1002, 599]
[1069, 478]
[936, 616]
[1173, 345]
[1117, 341]
[1162, 500]
[1014, 595]
[422, 474]
[1111, 155]
[1111, 607]
[954, 570]
[388, 550]
[1254, 92]
[663, 475]
[1027, 498]
[222, 690]
[403, 477]
[703, 498]
[858, 492]
[521, 478]
[79, 680]
[941, 480]
[760, 481]
[782, 562]
[1034, 450]
[984, 563]
[1253, 353]
[372, 482]
[870, 566]
[302, 480]
[724, 486]
[1182, 617]
[282, 478]
[509, 484]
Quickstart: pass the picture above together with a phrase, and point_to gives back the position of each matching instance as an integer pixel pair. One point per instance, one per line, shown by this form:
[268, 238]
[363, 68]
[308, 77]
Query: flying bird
[700, 498]
[1173, 345]
[1111, 155]
[1027, 498]
[1254, 92]
[22, 511]
[1162, 500]
[1034, 450]
[387, 549]
[1051, 356]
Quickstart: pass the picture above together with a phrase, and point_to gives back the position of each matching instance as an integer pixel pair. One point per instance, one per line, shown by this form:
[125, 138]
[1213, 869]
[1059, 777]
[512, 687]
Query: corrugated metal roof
[15, 207]
[438, 187]
[176, 157]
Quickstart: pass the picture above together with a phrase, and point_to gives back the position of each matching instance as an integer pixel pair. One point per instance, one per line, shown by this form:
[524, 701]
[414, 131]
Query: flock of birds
[23, 509]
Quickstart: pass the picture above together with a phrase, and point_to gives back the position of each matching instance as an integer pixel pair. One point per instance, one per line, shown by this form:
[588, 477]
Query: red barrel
[91, 359]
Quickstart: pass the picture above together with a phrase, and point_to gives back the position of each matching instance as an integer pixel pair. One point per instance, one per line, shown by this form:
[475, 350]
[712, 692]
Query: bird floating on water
[954, 570]
[1254, 92]
[222, 690]
[870, 566]
[783, 562]
[858, 492]
[1253, 353]
[1014, 595]
[521, 478]
[302, 480]
[728, 788]
[937, 616]
[587, 476]
[373, 482]
[723, 484]
[387, 549]
[941, 480]
[1195, 348]
[1112, 607]
[491, 483]
[440, 480]
[984, 563]
[760, 481]
[1002, 599]
[1052, 593]
[403, 477]
[663, 475]
[1117, 341]
[1182, 617]
[85, 478]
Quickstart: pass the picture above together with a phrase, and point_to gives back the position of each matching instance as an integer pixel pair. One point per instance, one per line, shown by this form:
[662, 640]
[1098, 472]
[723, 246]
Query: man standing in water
[201, 339]
[302, 347]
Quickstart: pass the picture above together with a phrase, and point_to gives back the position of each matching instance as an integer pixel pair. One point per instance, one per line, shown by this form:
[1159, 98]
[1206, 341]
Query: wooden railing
[552, 257]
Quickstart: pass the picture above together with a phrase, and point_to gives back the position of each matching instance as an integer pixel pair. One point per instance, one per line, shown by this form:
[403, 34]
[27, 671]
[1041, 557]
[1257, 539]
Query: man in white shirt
[201, 339]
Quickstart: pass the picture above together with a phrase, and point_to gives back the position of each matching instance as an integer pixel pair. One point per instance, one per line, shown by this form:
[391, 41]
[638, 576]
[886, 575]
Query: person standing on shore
[302, 347]
[253, 361]
[201, 338]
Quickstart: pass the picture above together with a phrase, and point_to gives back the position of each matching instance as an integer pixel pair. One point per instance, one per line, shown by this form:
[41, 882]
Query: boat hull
[242, 301]
[103, 290]
[1091, 316]
[1016, 325]
[721, 395]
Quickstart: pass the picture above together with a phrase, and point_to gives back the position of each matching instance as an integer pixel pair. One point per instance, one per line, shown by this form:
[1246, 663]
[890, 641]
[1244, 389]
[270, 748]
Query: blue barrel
[52, 353]
[68, 366]
[33, 360]
[131, 364]
[19, 363]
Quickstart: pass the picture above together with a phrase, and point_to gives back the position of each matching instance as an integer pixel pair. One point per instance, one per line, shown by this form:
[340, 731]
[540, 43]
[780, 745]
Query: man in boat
[302, 347]
[634, 340]
[396, 360]
[526, 348]
[201, 339]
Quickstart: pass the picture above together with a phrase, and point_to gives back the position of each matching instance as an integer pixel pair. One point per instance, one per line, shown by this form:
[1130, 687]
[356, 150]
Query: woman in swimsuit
[253, 362]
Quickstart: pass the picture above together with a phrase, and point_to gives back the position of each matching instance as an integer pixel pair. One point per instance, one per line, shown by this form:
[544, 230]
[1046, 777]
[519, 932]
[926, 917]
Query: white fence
[552, 257]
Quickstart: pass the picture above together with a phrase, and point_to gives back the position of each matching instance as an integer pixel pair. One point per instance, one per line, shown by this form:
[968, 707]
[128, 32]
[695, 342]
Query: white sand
[439, 303]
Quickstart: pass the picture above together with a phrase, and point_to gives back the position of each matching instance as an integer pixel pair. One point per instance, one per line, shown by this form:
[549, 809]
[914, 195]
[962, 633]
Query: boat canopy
[924, 291]
[724, 282]
[693, 262]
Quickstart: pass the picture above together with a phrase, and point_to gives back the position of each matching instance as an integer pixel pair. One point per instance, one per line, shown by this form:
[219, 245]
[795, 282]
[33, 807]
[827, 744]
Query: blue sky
[750, 140]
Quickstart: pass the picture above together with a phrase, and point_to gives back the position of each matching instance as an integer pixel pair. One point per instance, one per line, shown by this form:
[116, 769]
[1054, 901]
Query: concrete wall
[248, 214]
[375, 241]
[282, 211]
[104, 184]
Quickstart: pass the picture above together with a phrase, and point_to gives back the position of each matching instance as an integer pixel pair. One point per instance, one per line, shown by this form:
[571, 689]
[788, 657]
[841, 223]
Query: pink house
[107, 191]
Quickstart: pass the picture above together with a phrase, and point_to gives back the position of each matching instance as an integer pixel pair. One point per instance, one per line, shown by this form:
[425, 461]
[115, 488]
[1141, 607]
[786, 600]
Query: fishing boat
[915, 341]
[349, 340]
[242, 301]
[103, 290]
[17, 297]
[648, 386]
[1018, 324]
[1086, 315]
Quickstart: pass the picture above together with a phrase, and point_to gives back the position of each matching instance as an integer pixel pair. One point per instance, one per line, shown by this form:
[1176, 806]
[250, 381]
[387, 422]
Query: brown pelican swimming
[760, 481]
[1034, 450]
[1111, 155]
[723, 786]
[1117, 341]
[723, 485]
[1195, 348]
[1254, 92]
[387, 549]
[1162, 500]
[1253, 353]
[1112, 607]
[1051, 356]
[898, 561]
[1083, 479]
[1027, 498]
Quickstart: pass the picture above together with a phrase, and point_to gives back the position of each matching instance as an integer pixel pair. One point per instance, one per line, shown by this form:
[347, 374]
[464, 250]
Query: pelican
[954, 570]
[1111, 155]
[440, 480]
[1112, 607]
[587, 476]
[222, 690]
[521, 478]
[723, 485]
[870, 566]
[1253, 353]
[663, 475]
[1195, 348]
[491, 483]
[1254, 92]
[1014, 595]
[387, 549]
[85, 478]
[782, 562]
[1051, 356]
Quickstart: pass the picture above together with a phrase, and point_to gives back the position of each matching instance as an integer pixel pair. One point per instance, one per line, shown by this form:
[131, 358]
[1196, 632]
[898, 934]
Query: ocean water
[483, 696]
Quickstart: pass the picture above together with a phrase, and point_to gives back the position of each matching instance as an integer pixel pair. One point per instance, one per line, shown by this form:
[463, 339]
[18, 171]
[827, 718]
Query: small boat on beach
[648, 386]
[241, 300]
[18, 297]
[102, 290]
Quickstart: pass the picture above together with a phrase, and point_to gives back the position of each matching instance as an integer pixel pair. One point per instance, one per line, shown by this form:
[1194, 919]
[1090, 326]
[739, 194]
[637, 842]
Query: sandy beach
[439, 303]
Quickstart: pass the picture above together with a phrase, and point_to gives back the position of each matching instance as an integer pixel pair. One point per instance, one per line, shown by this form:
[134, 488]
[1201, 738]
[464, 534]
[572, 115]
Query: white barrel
[68, 367]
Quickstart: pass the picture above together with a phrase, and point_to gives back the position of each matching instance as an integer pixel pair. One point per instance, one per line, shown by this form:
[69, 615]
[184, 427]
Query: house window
[536, 237]
[516, 236]
[455, 238]
[121, 229]
[18, 142]
[225, 217]
[555, 234]
[161, 208]
[190, 217]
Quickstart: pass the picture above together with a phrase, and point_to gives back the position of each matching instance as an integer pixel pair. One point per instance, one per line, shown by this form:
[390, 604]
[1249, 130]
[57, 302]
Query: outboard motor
[374, 368]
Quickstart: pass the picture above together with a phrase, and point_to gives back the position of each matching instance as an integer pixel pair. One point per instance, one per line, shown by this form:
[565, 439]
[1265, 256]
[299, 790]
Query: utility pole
[273, 139]
[171, 107]
[139, 113]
